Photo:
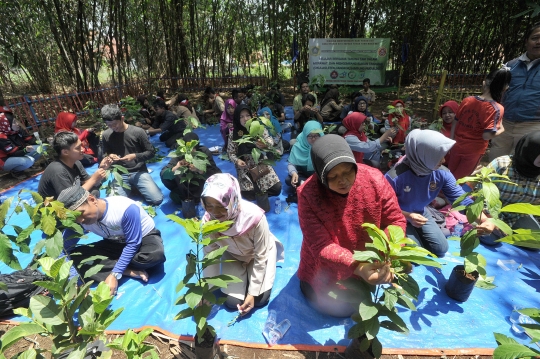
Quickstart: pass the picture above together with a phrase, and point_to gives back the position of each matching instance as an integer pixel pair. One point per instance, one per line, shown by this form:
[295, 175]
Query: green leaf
[533, 313]
[474, 210]
[25, 233]
[18, 332]
[194, 296]
[469, 242]
[406, 302]
[101, 297]
[533, 330]
[46, 310]
[377, 236]
[81, 295]
[503, 339]
[4, 209]
[368, 310]
[376, 348]
[475, 262]
[366, 256]
[93, 270]
[396, 233]
[485, 283]
[511, 351]
[6, 253]
[357, 330]
[3, 286]
[523, 240]
[409, 285]
[523, 208]
[200, 314]
[54, 244]
[36, 197]
[501, 225]
[423, 261]
[372, 327]
[216, 253]
[48, 224]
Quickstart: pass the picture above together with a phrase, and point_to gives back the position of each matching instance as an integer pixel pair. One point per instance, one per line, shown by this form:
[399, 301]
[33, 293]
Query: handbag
[259, 171]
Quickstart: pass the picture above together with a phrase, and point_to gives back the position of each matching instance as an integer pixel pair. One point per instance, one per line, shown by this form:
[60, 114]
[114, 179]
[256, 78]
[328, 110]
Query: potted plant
[378, 302]
[75, 317]
[256, 127]
[197, 291]
[510, 348]
[190, 169]
[472, 273]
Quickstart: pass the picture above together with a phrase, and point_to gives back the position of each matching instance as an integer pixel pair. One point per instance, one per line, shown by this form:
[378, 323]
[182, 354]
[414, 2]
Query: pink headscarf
[225, 189]
[225, 117]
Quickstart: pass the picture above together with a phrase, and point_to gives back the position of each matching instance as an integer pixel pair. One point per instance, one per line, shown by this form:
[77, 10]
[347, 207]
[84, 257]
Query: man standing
[131, 244]
[129, 146]
[67, 170]
[521, 100]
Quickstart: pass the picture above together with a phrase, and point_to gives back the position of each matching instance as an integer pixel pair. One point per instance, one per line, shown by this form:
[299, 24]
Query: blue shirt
[414, 192]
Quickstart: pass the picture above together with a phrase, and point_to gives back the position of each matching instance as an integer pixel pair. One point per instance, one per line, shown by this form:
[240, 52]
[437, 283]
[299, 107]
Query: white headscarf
[425, 149]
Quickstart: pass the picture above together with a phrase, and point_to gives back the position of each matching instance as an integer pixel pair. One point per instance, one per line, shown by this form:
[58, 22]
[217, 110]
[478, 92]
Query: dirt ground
[169, 348]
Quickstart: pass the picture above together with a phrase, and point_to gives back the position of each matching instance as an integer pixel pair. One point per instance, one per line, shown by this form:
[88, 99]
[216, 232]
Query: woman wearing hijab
[523, 169]
[16, 151]
[252, 250]
[418, 179]
[403, 121]
[67, 121]
[280, 145]
[179, 189]
[300, 166]
[226, 121]
[356, 138]
[240, 155]
[331, 208]
[330, 109]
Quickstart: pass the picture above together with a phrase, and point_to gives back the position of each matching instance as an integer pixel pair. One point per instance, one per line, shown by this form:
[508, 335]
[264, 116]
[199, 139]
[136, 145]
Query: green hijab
[300, 153]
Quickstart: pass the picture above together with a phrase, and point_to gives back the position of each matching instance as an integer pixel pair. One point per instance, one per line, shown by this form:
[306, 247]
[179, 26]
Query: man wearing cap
[129, 146]
[131, 243]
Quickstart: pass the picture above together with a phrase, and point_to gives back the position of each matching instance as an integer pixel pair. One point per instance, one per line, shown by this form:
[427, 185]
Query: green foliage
[130, 108]
[195, 288]
[256, 127]
[44, 216]
[73, 317]
[114, 174]
[317, 83]
[132, 344]
[193, 165]
[93, 111]
[484, 194]
[378, 302]
[509, 348]
[191, 124]
[529, 238]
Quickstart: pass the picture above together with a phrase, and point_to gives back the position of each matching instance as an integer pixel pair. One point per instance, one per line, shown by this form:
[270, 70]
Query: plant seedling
[380, 301]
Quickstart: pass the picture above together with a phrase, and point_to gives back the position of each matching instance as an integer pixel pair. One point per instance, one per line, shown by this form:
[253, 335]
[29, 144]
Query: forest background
[51, 45]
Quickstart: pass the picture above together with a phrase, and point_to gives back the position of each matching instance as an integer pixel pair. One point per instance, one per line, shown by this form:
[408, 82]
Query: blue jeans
[144, 183]
[18, 164]
[429, 236]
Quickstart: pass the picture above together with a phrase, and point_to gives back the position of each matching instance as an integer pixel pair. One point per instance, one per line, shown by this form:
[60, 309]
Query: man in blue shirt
[131, 242]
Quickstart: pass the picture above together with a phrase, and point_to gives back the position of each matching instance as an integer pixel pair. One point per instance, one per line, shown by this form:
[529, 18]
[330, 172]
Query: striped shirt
[525, 190]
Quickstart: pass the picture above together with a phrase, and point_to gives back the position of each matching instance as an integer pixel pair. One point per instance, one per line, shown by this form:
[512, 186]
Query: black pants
[150, 254]
[260, 300]
[275, 190]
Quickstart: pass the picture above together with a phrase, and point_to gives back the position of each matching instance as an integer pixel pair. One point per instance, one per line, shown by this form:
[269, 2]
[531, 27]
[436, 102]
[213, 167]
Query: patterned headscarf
[225, 189]
[5, 125]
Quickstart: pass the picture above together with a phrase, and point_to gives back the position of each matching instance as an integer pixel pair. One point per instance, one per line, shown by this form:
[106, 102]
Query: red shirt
[332, 225]
[474, 117]
[404, 122]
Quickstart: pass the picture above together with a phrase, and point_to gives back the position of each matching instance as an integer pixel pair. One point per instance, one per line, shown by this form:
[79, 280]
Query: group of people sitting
[336, 193]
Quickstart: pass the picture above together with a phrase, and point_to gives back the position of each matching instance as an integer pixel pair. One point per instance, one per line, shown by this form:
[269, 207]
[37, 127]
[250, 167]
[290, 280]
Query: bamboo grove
[47, 44]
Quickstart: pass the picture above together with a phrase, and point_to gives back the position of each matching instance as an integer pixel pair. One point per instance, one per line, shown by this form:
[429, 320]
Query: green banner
[348, 61]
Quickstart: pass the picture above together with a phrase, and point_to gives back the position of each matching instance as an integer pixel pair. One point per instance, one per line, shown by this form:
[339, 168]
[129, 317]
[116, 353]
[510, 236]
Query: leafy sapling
[114, 174]
[484, 194]
[377, 302]
[197, 290]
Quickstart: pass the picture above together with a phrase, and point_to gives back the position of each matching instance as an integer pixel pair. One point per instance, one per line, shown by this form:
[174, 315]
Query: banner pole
[399, 81]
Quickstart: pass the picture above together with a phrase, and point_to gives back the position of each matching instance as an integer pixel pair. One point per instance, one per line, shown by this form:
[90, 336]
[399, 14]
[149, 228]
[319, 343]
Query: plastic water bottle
[278, 332]
[458, 228]
[278, 206]
[517, 318]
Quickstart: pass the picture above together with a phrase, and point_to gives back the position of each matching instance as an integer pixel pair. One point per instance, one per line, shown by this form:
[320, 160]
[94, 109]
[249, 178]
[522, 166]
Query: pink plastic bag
[453, 217]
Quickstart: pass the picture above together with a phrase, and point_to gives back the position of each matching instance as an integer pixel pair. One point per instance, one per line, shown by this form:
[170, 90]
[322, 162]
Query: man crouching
[131, 244]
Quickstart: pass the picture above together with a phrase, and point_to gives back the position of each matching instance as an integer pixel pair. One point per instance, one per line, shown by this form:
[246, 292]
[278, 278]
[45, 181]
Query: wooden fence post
[439, 94]
[428, 87]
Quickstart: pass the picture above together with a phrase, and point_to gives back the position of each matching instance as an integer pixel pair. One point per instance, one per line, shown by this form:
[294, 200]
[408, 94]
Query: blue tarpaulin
[439, 323]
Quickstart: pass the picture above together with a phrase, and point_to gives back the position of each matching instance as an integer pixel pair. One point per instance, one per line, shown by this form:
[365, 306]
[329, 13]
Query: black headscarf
[328, 152]
[355, 106]
[527, 149]
[239, 130]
